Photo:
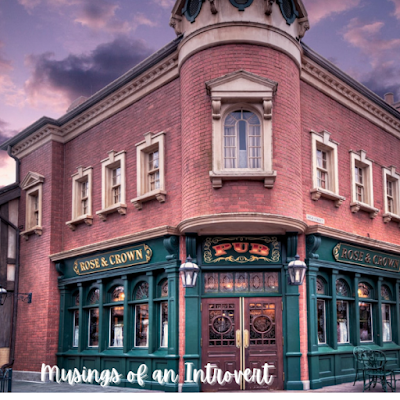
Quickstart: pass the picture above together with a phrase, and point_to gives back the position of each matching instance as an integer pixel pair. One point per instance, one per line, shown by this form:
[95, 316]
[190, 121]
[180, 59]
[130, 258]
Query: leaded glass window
[321, 314]
[76, 300]
[164, 289]
[321, 286]
[364, 290]
[366, 328]
[342, 288]
[164, 324]
[142, 291]
[118, 294]
[141, 325]
[117, 326]
[386, 323]
[385, 292]
[342, 312]
[93, 327]
[94, 296]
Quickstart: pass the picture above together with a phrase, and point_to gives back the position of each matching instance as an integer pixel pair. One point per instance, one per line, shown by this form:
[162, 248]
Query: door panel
[262, 317]
[220, 321]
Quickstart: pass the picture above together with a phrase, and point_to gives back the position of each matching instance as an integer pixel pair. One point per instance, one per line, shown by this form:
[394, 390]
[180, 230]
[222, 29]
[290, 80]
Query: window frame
[152, 142]
[361, 161]
[322, 142]
[108, 165]
[78, 217]
[389, 174]
[241, 89]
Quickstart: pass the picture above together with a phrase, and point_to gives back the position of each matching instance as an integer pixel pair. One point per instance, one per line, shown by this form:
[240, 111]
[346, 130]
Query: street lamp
[25, 297]
[297, 270]
[189, 272]
[3, 295]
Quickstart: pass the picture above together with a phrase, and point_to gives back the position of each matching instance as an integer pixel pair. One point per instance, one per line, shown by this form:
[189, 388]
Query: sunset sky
[53, 51]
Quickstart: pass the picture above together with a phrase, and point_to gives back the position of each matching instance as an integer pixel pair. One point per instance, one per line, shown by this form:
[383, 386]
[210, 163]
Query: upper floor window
[81, 198]
[33, 185]
[391, 192]
[362, 184]
[325, 168]
[113, 185]
[150, 169]
[242, 129]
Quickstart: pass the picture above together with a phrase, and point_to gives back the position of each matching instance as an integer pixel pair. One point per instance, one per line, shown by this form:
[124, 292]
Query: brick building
[238, 145]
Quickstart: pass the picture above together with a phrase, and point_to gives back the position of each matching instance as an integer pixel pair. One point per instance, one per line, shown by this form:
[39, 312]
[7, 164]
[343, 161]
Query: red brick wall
[352, 132]
[159, 111]
[199, 198]
[37, 323]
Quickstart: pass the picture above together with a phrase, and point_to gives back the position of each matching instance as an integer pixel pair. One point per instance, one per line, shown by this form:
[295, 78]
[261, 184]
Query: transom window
[242, 140]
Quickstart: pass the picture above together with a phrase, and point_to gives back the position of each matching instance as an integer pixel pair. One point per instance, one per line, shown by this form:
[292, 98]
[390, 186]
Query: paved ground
[51, 387]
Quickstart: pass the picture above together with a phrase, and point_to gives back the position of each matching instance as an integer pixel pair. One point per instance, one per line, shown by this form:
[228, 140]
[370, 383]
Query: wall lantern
[25, 297]
[297, 270]
[189, 272]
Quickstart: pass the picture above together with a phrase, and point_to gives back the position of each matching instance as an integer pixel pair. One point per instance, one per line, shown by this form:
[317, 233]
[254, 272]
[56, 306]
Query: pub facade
[239, 146]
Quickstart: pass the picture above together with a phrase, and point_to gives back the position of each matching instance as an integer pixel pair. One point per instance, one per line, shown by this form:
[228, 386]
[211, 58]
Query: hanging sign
[356, 255]
[242, 249]
[117, 259]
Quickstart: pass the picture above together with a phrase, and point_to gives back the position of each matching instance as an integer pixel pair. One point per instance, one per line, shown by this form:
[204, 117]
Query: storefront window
[321, 321]
[142, 325]
[342, 311]
[164, 315]
[366, 331]
[75, 324]
[386, 323]
[94, 296]
[117, 318]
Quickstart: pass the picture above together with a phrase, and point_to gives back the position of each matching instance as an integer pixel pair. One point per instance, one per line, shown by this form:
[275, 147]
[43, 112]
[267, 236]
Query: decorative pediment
[242, 84]
[31, 179]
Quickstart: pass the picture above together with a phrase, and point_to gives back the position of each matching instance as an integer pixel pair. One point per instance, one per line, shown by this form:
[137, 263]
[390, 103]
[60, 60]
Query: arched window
[93, 299]
[141, 294]
[242, 140]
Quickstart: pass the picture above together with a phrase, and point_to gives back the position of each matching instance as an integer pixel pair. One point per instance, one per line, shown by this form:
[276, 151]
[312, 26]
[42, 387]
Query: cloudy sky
[53, 51]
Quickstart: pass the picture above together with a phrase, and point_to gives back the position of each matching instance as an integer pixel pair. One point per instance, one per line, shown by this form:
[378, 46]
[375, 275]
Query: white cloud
[396, 8]
[141, 19]
[318, 10]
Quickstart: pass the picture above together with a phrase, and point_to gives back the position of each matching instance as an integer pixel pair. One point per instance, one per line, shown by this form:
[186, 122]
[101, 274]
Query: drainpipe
[16, 279]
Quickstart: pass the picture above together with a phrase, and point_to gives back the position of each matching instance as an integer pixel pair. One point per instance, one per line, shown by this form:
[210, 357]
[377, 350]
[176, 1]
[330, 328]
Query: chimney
[389, 98]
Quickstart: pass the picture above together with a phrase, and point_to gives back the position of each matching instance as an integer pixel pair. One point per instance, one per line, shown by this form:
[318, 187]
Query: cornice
[325, 81]
[257, 222]
[119, 241]
[152, 79]
[352, 238]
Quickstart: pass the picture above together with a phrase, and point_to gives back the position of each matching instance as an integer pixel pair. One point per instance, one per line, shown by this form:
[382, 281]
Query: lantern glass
[297, 270]
[3, 295]
[189, 272]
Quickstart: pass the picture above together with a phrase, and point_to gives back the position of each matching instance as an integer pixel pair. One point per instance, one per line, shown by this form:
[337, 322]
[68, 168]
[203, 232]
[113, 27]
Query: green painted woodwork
[163, 265]
[333, 363]
[241, 5]
[289, 18]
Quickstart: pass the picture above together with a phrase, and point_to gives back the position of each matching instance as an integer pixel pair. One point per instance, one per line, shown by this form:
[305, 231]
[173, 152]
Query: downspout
[16, 279]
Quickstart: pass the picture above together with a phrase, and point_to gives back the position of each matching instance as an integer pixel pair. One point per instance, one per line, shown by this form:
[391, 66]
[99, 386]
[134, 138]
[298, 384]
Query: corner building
[240, 146]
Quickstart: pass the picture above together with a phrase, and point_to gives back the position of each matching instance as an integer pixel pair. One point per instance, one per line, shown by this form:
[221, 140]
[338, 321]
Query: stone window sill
[86, 218]
[357, 206]
[35, 230]
[317, 193]
[118, 207]
[391, 217]
[217, 177]
[155, 194]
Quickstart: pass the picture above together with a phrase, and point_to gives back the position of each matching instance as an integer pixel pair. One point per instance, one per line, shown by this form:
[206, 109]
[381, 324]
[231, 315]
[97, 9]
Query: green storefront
[240, 313]
[353, 300]
[119, 309]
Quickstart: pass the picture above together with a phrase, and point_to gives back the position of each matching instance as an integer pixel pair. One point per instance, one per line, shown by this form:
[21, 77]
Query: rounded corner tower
[240, 64]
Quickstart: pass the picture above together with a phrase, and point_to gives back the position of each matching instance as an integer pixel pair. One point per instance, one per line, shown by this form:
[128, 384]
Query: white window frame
[241, 89]
[360, 160]
[390, 174]
[390, 322]
[152, 142]
[114, 160]
[347, 321]
[161, 326]
[323, 300]
[322, 141]
[33, 186]
[83, 175]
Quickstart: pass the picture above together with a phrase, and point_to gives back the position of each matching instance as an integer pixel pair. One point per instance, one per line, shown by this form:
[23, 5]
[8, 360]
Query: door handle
[238, 339]
[246, 338]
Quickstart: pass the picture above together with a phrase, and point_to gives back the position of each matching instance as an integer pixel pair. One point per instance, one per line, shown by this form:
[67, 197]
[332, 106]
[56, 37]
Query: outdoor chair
[358, 353]
[375, 372]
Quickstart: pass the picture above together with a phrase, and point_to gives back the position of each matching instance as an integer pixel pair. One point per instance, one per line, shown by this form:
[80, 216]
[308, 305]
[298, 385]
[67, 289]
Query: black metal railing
[5, 380]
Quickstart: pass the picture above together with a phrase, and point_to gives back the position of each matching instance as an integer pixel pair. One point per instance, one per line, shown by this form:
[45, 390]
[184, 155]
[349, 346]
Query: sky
[53, 51]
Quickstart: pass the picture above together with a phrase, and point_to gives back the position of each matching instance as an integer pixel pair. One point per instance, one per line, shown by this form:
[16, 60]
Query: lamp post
[297, 270]
[3, 295]
[25, 297]
[189, 272]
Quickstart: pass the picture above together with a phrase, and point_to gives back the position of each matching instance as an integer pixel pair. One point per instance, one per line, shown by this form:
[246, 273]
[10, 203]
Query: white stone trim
[322, 141]
[242, 89]
[151, 80]
[335, 88]
[114, 160]
[152, 142]
[83, 175]
[363, 162]
[395, 178]
[33, 186]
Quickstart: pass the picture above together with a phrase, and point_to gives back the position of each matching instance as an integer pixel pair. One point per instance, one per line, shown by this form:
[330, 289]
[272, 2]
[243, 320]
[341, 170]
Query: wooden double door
[240, 333]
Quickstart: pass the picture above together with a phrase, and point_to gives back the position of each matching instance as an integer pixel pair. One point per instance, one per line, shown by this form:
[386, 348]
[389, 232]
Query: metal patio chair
[376, 372]
[359, 357]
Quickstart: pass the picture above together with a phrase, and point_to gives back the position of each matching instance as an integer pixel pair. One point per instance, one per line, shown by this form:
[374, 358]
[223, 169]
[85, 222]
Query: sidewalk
[51, 387]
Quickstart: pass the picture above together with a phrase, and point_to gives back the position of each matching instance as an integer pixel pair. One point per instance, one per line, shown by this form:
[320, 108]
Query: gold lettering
[361, 256]
[385, 261]
[104, 262]
[356, 255]
[375, 260]
[344, 253]
[97, 263]
[139, 254]
[259, 249]
[241, 247]
[111, 261]
[87, 265]
[82, 265]
[350, 254]
[92, 264]
[123, 258]
[117, 259]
